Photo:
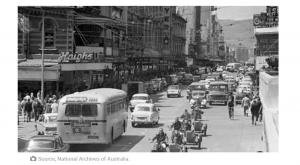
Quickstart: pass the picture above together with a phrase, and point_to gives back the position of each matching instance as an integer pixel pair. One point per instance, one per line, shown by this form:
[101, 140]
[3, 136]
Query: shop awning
[30, 70]
[85, 66]
[151, 53]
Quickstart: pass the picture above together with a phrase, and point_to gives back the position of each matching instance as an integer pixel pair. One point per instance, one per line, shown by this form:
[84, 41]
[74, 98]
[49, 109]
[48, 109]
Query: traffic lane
[170, 108]
[122, 144]
[225, 135]
[138, 139]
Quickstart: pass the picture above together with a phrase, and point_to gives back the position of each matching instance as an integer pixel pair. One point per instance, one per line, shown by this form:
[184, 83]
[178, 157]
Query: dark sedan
[46, 143]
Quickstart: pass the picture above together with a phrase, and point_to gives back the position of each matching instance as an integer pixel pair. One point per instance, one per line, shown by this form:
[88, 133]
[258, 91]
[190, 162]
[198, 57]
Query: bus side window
[108, 109]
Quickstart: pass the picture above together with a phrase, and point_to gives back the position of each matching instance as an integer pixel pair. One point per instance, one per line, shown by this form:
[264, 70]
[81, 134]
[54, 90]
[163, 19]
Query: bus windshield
[88, 110]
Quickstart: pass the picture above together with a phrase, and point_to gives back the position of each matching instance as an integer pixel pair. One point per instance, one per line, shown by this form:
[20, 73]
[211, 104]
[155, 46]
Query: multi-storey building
[266, 33]
[242, 53]
[82, 46]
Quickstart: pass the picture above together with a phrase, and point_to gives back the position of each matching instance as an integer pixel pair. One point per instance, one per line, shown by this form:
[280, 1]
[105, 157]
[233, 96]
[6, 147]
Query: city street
[223, 135]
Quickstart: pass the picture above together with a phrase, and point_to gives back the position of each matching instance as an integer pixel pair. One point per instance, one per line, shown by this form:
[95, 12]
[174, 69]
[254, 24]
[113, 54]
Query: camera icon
[33, 158]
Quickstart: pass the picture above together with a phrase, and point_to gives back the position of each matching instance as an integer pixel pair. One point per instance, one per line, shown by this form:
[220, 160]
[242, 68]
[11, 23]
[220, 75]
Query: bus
[96, 116]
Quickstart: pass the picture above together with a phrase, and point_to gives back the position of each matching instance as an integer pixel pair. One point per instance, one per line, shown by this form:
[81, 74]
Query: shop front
[30, 76]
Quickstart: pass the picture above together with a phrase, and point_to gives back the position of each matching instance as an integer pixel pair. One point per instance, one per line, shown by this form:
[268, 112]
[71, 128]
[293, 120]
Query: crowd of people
[32, 107]
[249, 105]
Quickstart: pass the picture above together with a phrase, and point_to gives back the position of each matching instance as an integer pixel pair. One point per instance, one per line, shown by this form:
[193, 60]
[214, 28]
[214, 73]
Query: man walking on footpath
[231, 106]
[28, 109]
[245, 104]
[255, 107]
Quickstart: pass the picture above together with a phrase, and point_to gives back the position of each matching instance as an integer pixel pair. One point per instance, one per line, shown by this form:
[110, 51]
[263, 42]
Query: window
[49, 32]
[88, 110]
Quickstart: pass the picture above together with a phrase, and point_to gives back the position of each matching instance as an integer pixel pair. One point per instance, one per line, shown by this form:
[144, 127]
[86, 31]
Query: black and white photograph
[147, 78]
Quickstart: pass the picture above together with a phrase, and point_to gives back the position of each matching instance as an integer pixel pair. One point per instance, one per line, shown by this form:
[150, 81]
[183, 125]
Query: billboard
[261, 62]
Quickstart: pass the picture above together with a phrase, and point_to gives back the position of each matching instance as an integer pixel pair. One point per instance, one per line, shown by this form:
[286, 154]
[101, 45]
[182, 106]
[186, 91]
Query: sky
[239, 12]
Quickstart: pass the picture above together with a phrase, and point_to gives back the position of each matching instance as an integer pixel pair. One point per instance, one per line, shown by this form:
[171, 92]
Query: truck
[218, 93]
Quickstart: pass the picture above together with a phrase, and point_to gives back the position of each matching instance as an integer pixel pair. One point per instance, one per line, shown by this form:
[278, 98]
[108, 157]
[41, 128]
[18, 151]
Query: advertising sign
[260, 62]
[266, 19]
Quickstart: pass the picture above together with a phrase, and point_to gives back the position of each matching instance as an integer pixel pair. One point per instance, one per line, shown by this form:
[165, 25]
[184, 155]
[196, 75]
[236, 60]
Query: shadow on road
[149, 125]
[121, 144]
[196, 148]
[21, 144]
[164, 106]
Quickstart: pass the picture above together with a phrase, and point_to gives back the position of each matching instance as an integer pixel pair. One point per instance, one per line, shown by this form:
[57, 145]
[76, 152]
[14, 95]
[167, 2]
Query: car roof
[141, 94]
[145, 105]
[43, 137]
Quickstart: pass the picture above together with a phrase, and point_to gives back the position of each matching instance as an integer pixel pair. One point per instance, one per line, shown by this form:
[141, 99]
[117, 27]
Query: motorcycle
[159, 147]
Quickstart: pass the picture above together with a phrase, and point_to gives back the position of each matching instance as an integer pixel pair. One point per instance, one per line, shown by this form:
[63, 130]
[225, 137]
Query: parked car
[139, 98]
[174, 90]
[46, 143]
[146, 113]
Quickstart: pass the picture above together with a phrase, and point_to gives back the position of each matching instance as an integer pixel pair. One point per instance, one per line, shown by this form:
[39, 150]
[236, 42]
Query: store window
[49, 29]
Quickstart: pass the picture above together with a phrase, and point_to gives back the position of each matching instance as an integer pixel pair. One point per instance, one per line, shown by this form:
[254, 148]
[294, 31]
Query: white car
[174, 90]
[139, 98]
[146, 113]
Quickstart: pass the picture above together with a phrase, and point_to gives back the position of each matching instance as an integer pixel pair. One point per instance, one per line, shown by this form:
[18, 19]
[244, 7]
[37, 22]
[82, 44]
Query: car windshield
[41, 144]
[193, 87]
[221, 88]
[173, 87]
[143, 108]
[139, 98]
[201, 94]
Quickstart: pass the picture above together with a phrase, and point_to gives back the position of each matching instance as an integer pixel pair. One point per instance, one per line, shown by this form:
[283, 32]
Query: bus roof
[101, 94]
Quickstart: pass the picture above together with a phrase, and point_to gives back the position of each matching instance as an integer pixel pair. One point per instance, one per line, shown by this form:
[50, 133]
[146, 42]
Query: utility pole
[43, 47]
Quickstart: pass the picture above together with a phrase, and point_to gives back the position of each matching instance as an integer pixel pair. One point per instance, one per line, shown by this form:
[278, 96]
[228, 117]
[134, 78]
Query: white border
[289, 88]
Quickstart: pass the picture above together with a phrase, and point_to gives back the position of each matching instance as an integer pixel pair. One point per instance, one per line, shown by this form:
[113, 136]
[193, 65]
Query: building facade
[242, 54]
[266, 33]
[83, 47]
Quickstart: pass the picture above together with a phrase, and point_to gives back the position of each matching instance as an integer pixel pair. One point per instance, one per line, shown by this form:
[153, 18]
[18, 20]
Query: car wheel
[133, 124]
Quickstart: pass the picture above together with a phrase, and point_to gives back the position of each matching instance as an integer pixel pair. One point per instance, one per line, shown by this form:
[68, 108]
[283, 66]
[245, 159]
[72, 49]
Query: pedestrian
[28, 110]
[34, 108]
[260, 112]
[246, 104]
[54, 106]
[231, 106]
[255, 107]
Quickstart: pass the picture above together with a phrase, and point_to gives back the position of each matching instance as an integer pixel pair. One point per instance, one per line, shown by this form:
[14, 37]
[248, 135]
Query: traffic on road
[181, 112]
